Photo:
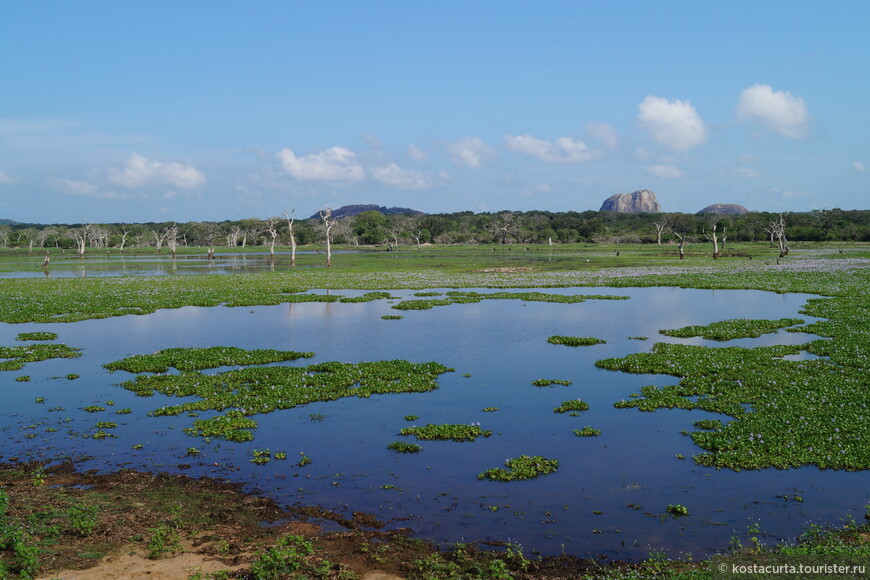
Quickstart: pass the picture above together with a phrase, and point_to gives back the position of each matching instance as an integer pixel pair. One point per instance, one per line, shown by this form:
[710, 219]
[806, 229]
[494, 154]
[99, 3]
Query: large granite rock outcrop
[642, 201]
[725, 208]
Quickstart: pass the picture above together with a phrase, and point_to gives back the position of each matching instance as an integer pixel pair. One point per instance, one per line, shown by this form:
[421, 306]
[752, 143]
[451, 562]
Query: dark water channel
[503, 345]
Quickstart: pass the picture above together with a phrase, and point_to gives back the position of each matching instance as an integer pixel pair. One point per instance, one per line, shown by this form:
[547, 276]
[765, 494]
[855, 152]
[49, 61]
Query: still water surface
[503, 345]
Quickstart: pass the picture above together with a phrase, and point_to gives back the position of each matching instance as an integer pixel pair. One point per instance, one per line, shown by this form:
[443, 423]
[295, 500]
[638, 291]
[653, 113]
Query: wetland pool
[608, 497]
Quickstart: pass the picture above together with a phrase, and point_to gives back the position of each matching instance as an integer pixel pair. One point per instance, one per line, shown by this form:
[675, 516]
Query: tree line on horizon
[372, 228]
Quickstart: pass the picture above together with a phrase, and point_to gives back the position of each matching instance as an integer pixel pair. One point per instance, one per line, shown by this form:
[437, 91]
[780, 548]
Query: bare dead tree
[171, 237]
[713, 237]
[124, 235]
[328, 223]
[80, 235]
[4, 235]
[233, 236]
[209, 236]
[159, 240]
[777, 230]
[291, 217]
[661, 227]
[271, 224]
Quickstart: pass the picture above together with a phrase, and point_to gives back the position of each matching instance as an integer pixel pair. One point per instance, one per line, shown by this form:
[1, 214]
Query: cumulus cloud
[664, 171]
[417, 154]
[779, 111]
[6, 178]
[469, 152]
[333, 164]
[395, 176]
[604, 134]
[857, 166]
[139, 171]
[84, 188]
[563, 150]
[740, 172]
[674, 124]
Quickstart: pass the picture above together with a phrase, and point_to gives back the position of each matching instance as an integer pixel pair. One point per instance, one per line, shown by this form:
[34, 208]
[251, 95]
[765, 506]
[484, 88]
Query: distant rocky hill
[725, 208]
[642, 201]
[6, 222]
[352, 210]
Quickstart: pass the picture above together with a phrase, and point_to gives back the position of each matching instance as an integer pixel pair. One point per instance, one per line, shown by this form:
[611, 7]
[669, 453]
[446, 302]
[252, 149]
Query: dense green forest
[374, 228]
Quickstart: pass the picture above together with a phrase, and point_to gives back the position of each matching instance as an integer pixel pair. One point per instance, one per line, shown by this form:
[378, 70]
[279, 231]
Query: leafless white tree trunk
[81, 235]
[233, 236]
[171, 237]
[124, 235]
[660, 226]
[777, 230]
[291, 217]
[328, 223]
[715, 239]
[272, 230]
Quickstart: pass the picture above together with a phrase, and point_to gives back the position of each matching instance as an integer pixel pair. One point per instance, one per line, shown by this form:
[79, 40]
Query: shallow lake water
[503, 345]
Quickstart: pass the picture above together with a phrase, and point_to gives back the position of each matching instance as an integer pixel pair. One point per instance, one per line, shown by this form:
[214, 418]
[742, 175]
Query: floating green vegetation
[638, 338]
[23, 379]
[368, 297]
[490, 409]
[446, 432]
[36, 336]
[72, 376]
[192, 359]
[459, 296]
[261, 456]
[787, 413]
[123, 411]
[677, 510]
[240, 393]
[572, 405]
[522, 467]
[403, 447]
[303, 460]
[20, 355]
[106, 425]
[420, 304]
[94, 409]
[587, 431]
[426, 294]
[708, 424]
[392, 317]
[411, 417]
[39, 400]
[280, 455]
[575, 340]
[732, 329]
[551, 382]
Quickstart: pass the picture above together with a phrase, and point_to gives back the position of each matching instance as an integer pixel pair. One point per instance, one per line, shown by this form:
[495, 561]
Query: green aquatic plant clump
[520, 468]
[18, 356]
[191, 359]
[575, 340]
[36, 336]
[587, 431]
[404, 447]
[572, 405]
[420, 304]
[368, 297]
[446, 432]
[551, 382]
[241, 393]
[732, 329]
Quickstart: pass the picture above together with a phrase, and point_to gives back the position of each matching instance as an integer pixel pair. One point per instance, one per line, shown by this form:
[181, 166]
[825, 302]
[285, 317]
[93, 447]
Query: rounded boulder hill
[641, 201]
[725, 208]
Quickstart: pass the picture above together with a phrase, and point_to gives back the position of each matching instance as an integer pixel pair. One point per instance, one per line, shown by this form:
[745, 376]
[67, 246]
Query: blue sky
[162, 111]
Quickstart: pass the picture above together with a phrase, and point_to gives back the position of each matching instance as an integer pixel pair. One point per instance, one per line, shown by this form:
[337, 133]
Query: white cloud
[604, 133]
[469, 152]
[372, 140]
[85, 188]
[665, 171]
[740, 172]
[417, 154]
[139, 171]
[6, 178]
[857, 166]
[779, 111]
[674, 124]
[395, 176]
[333, 164]
[563, 150]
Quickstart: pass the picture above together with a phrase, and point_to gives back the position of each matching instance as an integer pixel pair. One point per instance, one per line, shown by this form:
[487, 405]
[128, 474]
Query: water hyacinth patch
[520, 468]
[403, 447]
[240, 393]
[391, 317]
[587, 431]
[572, 405]
[369, 297]
[551, 382]
[732, 329]
[36, 336]
[575, 340]
[189, 359]
[20, 355]
[446, 432]
[420, 304]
